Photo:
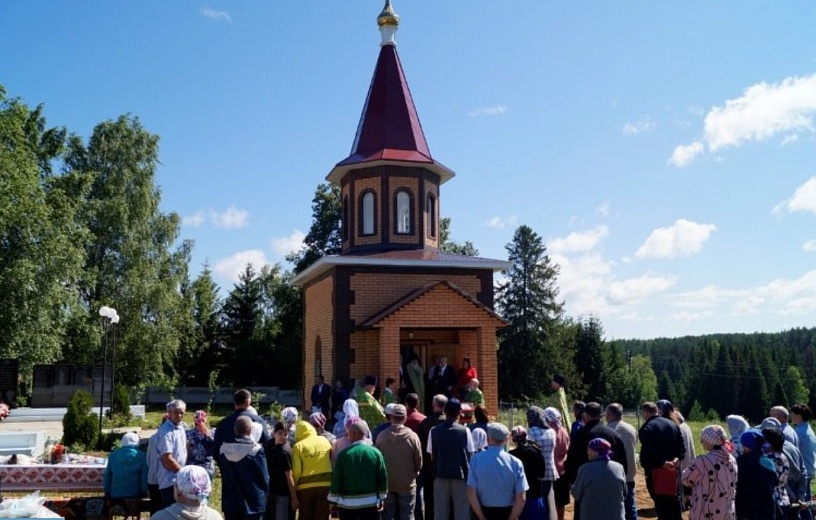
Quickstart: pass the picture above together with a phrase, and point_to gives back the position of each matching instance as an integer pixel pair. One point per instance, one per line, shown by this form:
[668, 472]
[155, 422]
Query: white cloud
[763, 111]
[683, 238]
[496, 110]
[809, 246]
[604, 209]
[782, 296]
[683, 155]
[690, 316]
[579, 242]
[216, 15]
[231, 267]
[790, 139]
[497, 222]
[284, 246]
[644, 124]
[803, 199]
[635, 289]
[232, 218]
[194, 220]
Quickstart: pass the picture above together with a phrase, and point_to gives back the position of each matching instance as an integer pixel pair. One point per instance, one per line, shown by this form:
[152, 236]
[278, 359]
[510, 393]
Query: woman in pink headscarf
[200, 443]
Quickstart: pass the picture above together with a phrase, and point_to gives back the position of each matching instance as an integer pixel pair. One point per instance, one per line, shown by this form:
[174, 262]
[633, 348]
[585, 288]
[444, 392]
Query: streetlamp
[109, 317]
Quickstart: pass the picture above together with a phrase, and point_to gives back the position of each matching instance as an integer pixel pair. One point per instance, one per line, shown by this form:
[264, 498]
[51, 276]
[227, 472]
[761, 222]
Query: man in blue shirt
[496, 484]
[171, 446]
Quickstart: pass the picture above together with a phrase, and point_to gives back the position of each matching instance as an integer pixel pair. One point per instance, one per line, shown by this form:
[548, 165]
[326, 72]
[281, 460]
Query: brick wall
[375, 291]
[318, 325]
[442, 307]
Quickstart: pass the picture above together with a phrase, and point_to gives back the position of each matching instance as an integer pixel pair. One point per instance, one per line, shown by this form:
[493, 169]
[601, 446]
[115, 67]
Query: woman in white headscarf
[192, 489]
[350, 409]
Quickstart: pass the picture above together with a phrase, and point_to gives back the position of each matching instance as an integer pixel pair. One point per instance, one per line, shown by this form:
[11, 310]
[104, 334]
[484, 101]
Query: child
[389, 396]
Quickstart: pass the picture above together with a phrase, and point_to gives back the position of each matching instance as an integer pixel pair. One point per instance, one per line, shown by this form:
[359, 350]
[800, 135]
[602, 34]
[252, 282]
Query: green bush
[119, 412]
[79, 426]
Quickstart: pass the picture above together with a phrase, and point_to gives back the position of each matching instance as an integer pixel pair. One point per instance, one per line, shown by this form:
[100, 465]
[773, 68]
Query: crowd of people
[394, 462]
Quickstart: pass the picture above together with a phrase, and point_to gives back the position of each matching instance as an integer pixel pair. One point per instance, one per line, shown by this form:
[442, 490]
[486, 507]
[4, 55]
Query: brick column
[488, 371]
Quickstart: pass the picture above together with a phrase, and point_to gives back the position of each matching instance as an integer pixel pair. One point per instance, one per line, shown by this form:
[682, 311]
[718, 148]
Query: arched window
[403, 212]
[431, 207]
[368, 213]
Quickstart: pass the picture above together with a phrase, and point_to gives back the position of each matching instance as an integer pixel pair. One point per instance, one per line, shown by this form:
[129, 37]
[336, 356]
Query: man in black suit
[444, 377]
[321, 396]
[592, 429]
[661, 446]
[225, 431]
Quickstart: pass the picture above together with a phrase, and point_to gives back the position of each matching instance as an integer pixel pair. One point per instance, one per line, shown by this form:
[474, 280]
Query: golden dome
[388, 16]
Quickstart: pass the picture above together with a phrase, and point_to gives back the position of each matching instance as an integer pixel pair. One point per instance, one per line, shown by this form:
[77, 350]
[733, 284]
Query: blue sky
[663, 150]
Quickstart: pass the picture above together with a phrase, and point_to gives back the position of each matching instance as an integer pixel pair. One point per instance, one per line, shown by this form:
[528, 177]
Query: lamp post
[108, 316]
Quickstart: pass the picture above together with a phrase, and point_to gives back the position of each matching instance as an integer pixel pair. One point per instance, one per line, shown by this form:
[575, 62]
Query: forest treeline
[733, 373]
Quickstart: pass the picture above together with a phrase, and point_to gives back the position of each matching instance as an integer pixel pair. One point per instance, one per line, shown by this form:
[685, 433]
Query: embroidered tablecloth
[51, 477]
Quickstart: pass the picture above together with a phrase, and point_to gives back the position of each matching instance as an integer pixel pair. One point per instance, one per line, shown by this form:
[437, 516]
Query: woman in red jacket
[463, 377]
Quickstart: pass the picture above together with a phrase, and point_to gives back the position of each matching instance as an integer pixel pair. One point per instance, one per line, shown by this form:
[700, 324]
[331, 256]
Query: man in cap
[450, 445]
[496, 483]
[402, 452]
[558, 399]
[370, 410]
[389, 412]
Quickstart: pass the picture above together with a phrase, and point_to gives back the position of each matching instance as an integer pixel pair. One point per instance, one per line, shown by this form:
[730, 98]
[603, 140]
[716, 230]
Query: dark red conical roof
[389, 128]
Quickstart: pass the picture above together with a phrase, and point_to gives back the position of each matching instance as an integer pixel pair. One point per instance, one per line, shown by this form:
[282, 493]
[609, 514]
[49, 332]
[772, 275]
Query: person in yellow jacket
[312, 472]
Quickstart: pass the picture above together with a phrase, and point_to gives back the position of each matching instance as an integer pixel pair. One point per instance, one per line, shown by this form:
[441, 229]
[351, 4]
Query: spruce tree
[528, 300]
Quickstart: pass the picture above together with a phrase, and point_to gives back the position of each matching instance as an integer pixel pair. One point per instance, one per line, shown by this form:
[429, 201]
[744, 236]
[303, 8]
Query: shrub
[119, 411]
[79, 426]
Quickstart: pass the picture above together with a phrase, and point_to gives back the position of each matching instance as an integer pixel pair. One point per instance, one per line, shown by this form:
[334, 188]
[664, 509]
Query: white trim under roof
[327, 262]
[340, 171]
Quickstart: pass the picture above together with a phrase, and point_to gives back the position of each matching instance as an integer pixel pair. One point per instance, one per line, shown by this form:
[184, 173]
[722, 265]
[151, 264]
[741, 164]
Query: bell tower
[390, 182]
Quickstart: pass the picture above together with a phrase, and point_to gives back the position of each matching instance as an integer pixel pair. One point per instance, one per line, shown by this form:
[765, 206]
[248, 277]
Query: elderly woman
[600, 486]
[530, 456]
[713, 477]
[126, 472]
[200, 443]
[737, 425]
[192, 489]
[540, 433]
[561, 492]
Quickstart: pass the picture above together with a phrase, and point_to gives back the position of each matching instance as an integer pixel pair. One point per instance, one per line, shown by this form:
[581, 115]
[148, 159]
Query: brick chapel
[391, 291]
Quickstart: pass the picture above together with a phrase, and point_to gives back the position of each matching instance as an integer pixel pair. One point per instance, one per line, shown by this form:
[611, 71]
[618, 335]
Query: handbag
[665, 481]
